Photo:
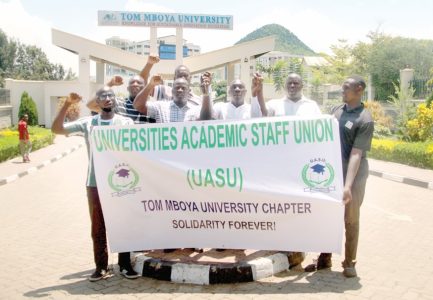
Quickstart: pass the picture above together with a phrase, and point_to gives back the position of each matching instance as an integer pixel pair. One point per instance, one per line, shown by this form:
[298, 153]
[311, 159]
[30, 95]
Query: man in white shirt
[236, 109]
[293, 104]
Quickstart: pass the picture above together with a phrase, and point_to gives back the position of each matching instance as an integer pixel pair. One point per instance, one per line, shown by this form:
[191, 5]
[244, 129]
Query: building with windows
[166, 47]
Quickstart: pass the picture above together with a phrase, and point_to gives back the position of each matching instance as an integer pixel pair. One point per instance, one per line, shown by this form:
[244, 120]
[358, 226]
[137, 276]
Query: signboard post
[155, 20]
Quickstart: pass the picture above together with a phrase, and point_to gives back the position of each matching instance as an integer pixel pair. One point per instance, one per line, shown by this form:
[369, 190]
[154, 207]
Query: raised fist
[116, 81]
[153, 59]
[73, 98]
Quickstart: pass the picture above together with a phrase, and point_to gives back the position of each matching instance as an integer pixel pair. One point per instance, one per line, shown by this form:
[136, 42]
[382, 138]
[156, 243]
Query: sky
[318, 23]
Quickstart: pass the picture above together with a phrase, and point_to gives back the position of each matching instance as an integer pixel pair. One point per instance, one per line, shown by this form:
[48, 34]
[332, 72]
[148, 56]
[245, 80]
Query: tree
[279, 74]
[28, 106]
[220, 89]
[32, 64]
[385, 56]
[341, 62]
[26, 62]
[7, 57]
[70, 75]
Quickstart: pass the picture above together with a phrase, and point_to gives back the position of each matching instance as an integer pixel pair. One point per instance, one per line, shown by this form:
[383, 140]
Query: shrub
[429, 101]
[382, 122]
[9, 142]
[421, 127]
[413, 154]
[28, 106]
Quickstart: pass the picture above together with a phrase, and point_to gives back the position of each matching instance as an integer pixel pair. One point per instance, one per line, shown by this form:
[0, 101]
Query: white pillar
[100, 72]
[179, 46]
[153, 40]
[245, 74]
[406, 76]
[84, 74]
[83, 67]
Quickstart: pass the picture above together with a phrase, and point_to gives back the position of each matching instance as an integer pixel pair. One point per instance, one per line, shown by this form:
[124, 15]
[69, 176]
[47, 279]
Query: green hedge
[9, 141]
[413, 154]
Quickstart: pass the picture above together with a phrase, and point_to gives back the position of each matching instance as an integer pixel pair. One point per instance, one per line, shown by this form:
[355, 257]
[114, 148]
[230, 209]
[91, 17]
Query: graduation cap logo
[318, 168]
[318, 175]
[124, 173]
[123, 178]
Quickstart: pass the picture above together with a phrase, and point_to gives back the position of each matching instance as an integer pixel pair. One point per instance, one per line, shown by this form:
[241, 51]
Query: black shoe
[98, 275]
[128, 272]
[295, 260]
[324, 261]
[220, 249]
[169, 250]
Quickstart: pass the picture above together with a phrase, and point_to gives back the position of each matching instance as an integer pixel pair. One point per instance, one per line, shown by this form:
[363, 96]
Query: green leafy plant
[420, 128]
[382, 122]
[220, 89]
[410, 153]
[28, 106]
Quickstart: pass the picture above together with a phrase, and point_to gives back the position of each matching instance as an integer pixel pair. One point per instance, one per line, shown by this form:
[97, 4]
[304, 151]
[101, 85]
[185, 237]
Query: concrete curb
[45, 163]
[402, 179]
[206, 274]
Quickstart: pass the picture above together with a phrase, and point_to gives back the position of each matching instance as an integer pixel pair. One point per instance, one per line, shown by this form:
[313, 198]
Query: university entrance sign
[155, 19]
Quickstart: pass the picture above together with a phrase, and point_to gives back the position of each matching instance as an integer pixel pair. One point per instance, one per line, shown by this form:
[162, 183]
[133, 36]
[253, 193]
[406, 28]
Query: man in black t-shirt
[356, 132]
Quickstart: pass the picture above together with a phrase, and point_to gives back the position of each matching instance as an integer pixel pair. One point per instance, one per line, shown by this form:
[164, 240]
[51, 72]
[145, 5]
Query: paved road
[46, 252]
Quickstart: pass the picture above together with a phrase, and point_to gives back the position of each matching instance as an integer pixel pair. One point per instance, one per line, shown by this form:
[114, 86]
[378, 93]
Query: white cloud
[31, 30]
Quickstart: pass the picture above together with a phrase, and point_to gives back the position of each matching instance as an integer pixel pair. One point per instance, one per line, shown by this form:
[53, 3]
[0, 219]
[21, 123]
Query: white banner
[268, 183]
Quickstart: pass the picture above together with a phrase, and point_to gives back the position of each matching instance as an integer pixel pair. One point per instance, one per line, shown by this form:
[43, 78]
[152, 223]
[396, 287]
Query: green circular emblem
[318, 174]
[122, 178]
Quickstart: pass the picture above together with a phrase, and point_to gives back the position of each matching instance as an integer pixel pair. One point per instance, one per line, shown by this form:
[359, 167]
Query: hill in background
[286, 41]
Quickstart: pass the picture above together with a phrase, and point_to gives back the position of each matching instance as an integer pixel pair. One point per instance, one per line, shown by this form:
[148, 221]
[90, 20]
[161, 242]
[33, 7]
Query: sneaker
[98, 275]
[129, 273]
[350, 272]
[324, 261]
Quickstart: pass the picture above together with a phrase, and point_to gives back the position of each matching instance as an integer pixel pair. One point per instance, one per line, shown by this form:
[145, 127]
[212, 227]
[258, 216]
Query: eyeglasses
[105, 96]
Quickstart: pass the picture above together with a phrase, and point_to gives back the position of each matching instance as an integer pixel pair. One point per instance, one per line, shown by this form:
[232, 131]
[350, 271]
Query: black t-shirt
[356, 129]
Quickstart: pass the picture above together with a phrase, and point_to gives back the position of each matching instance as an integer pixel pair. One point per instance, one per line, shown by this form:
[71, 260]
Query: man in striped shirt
[154, 88]
[178, 109]
[124, 107]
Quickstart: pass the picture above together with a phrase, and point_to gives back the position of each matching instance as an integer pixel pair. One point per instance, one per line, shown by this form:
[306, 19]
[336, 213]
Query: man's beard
[107, 109]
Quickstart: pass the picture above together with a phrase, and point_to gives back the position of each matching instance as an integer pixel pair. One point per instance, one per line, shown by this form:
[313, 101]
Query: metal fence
[5, 97]
[422, 90]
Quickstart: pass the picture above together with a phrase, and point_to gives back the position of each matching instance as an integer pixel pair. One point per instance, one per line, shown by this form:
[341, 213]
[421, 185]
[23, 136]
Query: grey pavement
[14, 168]
[46, 247]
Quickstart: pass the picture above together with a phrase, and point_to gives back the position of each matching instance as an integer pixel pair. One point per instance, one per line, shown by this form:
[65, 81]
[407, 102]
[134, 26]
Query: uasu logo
[110, 17]
[123, 180]
[318, 175]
